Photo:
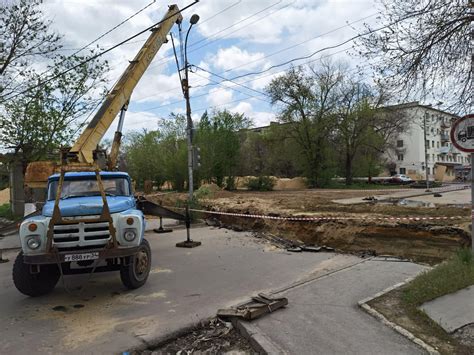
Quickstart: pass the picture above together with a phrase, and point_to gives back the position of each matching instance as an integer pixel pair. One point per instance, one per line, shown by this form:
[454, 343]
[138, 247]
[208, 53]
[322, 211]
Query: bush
[202, 192]
[6, 211]
[261, 183]
[230, 183]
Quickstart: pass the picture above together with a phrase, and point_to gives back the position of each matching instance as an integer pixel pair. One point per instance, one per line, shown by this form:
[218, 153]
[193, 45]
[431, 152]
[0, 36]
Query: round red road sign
[462, 134]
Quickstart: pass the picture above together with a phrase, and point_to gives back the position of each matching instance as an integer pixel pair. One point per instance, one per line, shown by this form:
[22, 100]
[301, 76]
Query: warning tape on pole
[327, 218]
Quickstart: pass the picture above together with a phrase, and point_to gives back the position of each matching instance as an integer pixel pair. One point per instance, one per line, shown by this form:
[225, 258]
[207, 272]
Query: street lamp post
[426, 154]
[188, 243]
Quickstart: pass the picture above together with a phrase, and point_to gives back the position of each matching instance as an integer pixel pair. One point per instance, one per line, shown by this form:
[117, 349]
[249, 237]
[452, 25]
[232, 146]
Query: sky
[232, 38]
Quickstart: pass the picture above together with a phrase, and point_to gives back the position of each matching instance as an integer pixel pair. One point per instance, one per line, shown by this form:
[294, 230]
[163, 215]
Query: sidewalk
[452, 311]
[322, 315]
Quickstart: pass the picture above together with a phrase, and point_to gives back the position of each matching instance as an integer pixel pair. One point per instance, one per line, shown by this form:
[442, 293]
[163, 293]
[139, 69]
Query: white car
[401, 179]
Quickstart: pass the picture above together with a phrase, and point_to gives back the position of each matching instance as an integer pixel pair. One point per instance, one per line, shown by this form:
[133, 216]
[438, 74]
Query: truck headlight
[33, 242]
[129, 235]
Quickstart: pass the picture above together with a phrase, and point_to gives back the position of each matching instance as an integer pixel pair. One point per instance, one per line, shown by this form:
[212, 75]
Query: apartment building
[443, 160]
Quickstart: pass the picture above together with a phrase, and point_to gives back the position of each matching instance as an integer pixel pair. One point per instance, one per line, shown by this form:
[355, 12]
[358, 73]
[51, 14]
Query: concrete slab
[322, 316]
[460, 193]
[461, 197]
[452, 311]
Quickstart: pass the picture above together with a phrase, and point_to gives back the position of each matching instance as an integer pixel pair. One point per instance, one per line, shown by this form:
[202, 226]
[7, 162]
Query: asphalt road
[187, 285]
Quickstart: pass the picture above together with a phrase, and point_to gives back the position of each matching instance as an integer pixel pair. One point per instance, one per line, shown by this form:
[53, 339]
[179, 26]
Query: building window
[403, 170]
[400, 157]
[432, 144]
[433, 157]
[427, 143]
[400, 143]
[437, 144]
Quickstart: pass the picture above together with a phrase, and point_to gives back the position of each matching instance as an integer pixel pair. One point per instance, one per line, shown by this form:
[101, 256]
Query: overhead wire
[191, 45]
[348, 24]
[101, 53]
[111, 30]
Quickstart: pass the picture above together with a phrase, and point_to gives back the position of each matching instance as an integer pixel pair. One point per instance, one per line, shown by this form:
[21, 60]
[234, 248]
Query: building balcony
[445, 123]
[443, 150]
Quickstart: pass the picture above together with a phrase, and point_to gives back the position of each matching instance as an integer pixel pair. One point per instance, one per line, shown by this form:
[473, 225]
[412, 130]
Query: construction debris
[258, 306]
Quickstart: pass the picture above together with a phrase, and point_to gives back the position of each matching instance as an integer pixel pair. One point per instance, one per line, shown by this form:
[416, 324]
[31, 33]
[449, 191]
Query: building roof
[417, 104]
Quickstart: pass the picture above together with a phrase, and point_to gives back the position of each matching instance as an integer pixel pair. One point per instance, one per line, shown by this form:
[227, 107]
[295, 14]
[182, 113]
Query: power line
[258, 97]
[236, 90]
[225, 79]
[283, 49]
[111, 30]
[244, 82]
[169, 58]
[101, 53]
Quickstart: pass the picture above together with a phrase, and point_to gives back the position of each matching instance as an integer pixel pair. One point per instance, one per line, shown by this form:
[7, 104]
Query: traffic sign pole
[472, 202]
[462, 137]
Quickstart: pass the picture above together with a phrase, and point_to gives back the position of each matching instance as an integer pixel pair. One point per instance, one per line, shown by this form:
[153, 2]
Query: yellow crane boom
[116, 101]
[120, 94]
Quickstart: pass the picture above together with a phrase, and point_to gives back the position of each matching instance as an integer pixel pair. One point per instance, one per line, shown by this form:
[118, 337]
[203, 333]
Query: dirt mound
[4, 196]
[211, 187]
[297, 183]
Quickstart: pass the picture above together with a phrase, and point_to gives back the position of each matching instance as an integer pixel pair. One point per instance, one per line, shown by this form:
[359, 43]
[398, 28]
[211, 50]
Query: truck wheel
[135, 274]
[34, 284]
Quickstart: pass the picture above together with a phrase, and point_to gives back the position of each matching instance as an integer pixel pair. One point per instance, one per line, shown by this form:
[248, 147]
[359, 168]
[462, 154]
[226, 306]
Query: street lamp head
[194, 19]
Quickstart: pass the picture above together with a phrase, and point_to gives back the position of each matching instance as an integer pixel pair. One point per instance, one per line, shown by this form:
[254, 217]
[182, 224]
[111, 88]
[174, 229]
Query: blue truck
[89, 231]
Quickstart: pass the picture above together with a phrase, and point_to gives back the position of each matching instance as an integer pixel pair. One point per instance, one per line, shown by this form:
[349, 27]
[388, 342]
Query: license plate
[81, 257]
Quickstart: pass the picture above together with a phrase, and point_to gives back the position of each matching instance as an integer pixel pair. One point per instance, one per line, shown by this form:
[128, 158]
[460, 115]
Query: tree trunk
[348, 169]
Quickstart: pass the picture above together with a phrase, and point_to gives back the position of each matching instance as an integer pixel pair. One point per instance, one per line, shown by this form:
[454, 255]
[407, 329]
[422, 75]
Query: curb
[407, 334]
[257, 339]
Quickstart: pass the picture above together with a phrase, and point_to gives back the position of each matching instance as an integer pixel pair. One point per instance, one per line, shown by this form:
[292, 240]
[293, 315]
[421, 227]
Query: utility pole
[426, 154]
[188, 243]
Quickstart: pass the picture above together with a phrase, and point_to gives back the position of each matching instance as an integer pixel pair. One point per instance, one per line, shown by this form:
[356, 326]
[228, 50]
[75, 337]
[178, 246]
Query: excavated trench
[419, 241]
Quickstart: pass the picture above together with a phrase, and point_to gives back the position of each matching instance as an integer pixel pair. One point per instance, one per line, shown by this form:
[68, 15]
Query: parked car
[401, 179]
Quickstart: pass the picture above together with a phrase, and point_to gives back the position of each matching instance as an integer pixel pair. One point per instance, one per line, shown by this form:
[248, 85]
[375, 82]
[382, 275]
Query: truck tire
[34, 284]
[135, 274]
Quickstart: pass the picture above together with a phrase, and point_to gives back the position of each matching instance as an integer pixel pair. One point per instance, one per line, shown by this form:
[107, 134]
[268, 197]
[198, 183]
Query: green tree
[307, 100]
[173, 149]
[218, 138]
[144, 161]
[46, 117]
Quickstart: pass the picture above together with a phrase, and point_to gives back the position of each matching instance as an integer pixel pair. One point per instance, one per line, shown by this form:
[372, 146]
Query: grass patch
[401, 306]
[455, 274]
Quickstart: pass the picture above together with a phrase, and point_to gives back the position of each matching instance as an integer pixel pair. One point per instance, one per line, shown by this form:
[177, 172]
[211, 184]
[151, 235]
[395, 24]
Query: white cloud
[232, 57]
[259, 118]
[218, 97]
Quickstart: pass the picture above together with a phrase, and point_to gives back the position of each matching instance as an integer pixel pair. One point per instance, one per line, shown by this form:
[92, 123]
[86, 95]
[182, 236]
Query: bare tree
[424, 50]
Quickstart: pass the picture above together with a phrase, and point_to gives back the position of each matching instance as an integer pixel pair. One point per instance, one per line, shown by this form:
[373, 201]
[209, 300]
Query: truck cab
[94, 225]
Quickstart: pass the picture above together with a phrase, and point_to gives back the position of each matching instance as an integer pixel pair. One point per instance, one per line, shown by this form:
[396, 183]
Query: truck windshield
[81, 188]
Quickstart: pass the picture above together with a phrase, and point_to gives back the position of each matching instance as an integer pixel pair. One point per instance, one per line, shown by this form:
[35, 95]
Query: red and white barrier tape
[433, 190]
[326, 218]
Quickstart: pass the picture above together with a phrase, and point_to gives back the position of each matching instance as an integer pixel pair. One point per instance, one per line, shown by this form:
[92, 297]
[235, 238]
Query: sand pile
[4, 196]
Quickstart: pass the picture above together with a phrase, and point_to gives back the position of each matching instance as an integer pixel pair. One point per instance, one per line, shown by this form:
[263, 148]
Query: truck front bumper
[60, 256]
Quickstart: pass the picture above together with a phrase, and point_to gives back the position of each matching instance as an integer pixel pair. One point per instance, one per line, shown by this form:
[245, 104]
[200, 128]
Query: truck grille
[81, 234]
